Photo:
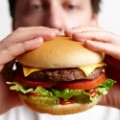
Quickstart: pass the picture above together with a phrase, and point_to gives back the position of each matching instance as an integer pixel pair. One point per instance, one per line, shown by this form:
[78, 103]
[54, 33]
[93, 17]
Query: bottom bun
[58, 109]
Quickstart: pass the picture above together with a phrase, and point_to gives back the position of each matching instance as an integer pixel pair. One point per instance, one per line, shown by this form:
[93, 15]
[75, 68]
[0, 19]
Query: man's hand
[17, 43]
[100, 40]
[22, 40]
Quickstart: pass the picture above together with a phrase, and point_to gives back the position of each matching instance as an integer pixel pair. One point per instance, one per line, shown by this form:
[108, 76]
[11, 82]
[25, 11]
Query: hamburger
[61, 77]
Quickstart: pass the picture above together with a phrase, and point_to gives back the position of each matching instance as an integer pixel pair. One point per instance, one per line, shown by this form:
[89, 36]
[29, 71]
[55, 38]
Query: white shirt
[95, 113]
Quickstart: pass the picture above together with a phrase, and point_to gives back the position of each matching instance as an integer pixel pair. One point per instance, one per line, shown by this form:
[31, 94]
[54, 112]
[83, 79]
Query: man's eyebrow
[74, 0]
[22, 4]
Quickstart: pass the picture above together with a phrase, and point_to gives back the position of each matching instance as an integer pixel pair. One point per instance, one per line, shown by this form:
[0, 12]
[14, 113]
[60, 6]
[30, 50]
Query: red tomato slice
[32, 83]
[86, 84]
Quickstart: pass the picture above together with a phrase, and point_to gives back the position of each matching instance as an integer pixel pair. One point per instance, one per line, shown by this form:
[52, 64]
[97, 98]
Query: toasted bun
[58, 109]
[61, 52]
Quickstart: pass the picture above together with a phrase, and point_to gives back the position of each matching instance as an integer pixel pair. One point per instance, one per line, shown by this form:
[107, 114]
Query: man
[68, 17]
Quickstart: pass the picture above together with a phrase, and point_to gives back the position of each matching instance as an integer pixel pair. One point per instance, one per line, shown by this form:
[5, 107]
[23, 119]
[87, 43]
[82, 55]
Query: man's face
[60, 14]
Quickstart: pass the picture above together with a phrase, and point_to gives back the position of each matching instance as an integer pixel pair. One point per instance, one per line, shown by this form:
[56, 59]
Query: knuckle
[3, 45]
[24, 46]
[20, 29]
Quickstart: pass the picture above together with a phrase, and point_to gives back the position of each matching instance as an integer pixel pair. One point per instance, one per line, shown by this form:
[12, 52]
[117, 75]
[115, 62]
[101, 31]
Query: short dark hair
[12, 5]
[95, 6]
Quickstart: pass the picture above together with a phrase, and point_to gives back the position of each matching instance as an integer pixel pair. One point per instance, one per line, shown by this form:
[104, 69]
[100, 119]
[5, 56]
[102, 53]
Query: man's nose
[55, 19]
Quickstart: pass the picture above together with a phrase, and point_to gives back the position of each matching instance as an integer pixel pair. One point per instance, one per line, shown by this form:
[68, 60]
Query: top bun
[61, 52]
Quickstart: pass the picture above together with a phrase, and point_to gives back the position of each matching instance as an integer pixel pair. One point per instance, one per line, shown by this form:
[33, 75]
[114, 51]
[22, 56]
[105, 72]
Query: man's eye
[71, 7]
[36, 7]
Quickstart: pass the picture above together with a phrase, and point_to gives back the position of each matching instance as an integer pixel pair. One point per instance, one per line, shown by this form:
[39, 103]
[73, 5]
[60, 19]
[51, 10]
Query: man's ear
[94, 22]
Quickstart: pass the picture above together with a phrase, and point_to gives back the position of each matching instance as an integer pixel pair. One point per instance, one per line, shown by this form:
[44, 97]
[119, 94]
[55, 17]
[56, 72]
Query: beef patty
[58, 75]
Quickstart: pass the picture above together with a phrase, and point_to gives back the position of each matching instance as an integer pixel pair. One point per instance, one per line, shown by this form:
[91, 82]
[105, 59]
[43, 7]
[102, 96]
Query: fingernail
[39, 40]
[57, 31]
[78, 37]
[69, 33]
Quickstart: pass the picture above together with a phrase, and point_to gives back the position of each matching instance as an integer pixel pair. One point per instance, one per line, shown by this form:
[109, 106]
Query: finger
[37, 27]
[100, 36]
[22, 35]
[69, 32]
[45, 31]
[107, 48]
[34, 33]
[13, 51]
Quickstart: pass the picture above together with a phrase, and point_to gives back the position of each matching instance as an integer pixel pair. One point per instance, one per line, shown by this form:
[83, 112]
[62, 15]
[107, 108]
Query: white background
[109, 19]
[5, 21]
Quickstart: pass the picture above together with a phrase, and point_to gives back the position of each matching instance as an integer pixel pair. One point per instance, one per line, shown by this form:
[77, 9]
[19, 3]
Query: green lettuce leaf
[38, 90]
[81, 96]
[65, 94]
[19, 88]
[42, 91]
[44, 100]
[106, 86]
[53, 95]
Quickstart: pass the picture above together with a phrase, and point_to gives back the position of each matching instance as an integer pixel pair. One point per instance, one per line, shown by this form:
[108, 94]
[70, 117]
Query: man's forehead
[23, 1]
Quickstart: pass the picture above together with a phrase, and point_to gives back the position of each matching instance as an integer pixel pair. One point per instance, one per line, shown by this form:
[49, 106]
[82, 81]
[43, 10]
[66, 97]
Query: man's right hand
[17, 43]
